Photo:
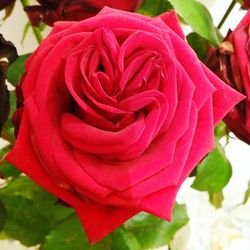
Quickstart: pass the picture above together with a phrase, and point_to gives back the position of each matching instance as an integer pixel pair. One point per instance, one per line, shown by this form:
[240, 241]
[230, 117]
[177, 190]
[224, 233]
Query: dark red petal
[38, 13]
[4, 95]
[246, 4]
[5, 3]
[8, 54]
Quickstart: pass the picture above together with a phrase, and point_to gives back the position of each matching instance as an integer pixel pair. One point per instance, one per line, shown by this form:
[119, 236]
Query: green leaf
[31, 211]
[12, 104]
[17, 69]
[69, 235]
[8, 129]
[193, 173]
[43, 201]
[216, 199]
[141, 232]
[214, 172]
[4, 151]
[124, 240]
[152, 232]
[154, 8]
[24, 222]
[8, 170]
[199, 18]
[2, 215]
[199, 45]
[25, 32]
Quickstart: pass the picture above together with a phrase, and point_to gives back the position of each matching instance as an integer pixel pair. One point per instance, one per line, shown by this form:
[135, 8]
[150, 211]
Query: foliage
[198, 17]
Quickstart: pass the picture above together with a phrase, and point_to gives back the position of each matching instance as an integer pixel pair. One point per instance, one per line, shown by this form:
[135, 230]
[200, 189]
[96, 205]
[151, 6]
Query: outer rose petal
[36, 171]
[97, 220]
[171, 20]
[223, 96]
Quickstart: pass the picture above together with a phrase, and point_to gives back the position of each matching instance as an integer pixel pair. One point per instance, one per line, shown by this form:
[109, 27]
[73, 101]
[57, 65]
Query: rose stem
[231, 6]
[36, 31]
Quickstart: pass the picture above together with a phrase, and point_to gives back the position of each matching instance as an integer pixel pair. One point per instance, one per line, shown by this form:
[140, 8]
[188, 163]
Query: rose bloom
[231, 63]
[50, 11]
[117, 112]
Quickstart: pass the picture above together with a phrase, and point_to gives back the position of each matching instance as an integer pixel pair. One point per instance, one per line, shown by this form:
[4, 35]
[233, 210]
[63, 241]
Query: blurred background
[227, 228]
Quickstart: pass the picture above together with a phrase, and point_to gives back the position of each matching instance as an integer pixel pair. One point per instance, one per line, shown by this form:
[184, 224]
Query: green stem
[25, 3]
[231, 6]
[36, 31]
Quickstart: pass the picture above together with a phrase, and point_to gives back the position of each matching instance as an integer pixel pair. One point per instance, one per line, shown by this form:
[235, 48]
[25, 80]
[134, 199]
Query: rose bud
[231, 63]
[117, 112]
[8, 55]
[50, 11]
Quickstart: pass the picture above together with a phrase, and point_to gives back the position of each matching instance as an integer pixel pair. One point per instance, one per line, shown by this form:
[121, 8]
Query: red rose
[117, 112]
[50, 11]
[231, 63]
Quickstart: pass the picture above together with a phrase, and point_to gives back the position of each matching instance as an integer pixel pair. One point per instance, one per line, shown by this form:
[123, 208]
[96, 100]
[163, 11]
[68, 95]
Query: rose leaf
[155, 8]
[153, 232]
[44, 201]
[31, 212]
[69, 235]
[214, 172]
[2, 215]
[199, 45]
[125, 240]
[7, 170]
[17, 69]
[8, 126]
[24, 222]
[198, 17]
